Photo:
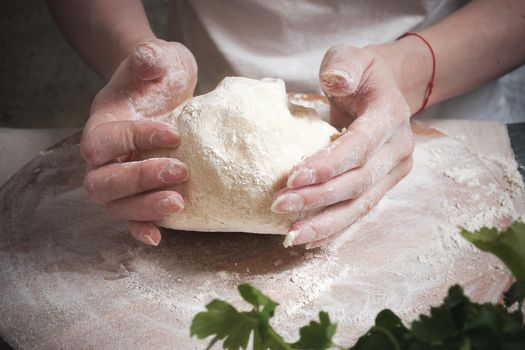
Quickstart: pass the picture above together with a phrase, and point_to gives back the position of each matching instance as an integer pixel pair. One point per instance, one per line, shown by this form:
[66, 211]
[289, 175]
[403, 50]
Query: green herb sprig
[457, 324]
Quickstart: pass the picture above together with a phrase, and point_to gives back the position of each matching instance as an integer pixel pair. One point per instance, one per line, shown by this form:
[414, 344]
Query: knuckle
[131, 138]
[89, 151]
[367, 178]
[91, 188]
[316, 199]
[141, 176]
[367, 205]
[326, 172]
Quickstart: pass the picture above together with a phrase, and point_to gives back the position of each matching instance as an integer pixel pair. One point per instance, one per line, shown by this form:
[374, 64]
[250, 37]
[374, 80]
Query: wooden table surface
[71, 276]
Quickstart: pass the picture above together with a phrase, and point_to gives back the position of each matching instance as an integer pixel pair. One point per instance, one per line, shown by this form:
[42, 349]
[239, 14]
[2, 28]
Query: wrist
[410, 62]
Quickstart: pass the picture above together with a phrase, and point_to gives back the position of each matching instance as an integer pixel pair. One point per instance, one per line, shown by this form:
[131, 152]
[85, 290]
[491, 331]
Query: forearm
[103, 32]
[478, 43]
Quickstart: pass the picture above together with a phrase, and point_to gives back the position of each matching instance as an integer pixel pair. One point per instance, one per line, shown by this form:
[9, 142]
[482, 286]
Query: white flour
[72, 277]
[406, 264]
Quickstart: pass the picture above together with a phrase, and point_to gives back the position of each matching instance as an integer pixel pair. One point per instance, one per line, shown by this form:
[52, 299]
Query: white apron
[287, 39]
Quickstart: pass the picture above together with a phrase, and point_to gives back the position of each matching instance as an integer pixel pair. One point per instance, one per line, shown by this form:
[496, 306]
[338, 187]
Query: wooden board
[71, 277]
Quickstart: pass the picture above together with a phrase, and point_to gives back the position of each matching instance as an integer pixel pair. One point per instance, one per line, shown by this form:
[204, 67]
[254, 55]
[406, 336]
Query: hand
[155, 78]
[349, 177]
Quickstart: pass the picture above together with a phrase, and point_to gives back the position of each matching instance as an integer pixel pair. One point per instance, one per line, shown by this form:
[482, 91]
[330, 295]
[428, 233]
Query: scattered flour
[69, 281]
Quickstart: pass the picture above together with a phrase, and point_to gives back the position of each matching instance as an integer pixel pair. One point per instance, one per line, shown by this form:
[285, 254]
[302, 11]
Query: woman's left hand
[349, 177]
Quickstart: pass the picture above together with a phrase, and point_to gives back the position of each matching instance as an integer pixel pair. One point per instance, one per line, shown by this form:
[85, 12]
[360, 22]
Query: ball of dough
[240, 142]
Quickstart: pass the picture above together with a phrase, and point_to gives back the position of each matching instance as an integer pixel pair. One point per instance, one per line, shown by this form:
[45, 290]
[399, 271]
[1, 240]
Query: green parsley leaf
[224, 322]
[445, 323]
[388, 333]
[458, 324]
[272, 341]
[461, 324]
[490, 326]
[508, 246]
[257, 299]
[316, 335]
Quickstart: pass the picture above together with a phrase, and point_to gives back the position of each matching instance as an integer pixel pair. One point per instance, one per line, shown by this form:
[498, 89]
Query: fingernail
[173, 172]
[301, 177]
[337, 82]
[145, 54]
[288, 240]
[300, 236]
[169, 205]
[149, 240]
[288, 202]
[146, 61]
[165, 138]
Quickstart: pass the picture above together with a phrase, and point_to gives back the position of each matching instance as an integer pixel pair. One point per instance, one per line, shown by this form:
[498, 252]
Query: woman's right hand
[152, 81]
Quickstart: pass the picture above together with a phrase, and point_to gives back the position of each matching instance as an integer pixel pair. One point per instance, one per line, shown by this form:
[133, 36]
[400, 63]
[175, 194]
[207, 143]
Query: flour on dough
[240, 142]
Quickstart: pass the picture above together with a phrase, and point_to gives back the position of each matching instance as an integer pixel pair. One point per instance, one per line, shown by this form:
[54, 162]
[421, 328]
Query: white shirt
[287, 39]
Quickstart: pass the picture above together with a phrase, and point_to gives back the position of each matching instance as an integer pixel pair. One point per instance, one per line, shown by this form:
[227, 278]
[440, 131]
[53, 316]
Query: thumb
[153, 59]
[158, 76]
[342, 70]
[146, 61]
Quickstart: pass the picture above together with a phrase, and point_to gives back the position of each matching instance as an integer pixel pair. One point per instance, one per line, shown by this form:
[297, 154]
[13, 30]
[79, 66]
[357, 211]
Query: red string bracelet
[428, 92]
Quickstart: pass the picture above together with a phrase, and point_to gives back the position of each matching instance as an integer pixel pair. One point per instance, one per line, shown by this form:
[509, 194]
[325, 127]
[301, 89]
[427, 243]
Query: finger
[146, 207]
[147, 61]
[351, 150]
[324, 241]
[380, 116]
[340, 76]
[342, 69]
[163, 75]
[341, 215]
[156, 78]
[145, 232]
[350, 184]
[116, 181]
[107, 141]
[364, 92]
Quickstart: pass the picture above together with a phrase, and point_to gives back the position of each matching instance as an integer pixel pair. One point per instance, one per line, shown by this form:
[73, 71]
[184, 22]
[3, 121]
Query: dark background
[43, 82]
